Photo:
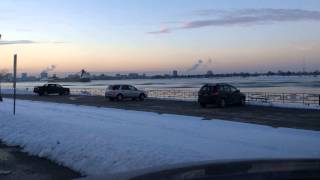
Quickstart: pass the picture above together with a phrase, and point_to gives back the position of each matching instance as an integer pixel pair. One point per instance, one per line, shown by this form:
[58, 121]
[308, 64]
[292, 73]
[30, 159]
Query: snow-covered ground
[103, 140]
[24, 91]
[285, 105]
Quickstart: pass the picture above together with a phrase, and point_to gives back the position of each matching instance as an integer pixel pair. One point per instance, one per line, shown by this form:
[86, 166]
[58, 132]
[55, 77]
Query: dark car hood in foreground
[228, 169]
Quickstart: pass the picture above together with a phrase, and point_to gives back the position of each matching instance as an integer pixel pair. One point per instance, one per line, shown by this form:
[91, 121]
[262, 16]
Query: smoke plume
[195, 66]
[50, 68]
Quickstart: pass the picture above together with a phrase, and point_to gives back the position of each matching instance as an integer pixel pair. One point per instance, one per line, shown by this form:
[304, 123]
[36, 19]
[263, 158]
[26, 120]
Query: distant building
[24, 76]
[43, 75]
[8, 77]
[133, 75]
[175, 73]
[209, 73]
[32, 78]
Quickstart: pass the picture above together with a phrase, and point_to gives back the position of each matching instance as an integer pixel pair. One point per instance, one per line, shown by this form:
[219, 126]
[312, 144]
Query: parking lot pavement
[276, 117]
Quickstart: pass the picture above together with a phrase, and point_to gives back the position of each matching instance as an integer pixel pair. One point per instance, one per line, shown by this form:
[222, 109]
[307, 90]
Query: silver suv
[123, 91]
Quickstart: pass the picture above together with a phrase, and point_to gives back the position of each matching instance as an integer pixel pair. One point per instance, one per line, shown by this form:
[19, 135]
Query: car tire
[203, 105]
[120, 97]
[45, 93]
[222, 103]
[142, 97]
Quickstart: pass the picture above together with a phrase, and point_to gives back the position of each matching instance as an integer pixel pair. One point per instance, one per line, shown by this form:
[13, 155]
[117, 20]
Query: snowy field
[103, 140]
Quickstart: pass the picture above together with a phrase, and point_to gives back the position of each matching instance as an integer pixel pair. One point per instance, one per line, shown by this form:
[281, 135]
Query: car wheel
[142, 97]
[203, 105]
[222, 103]
[40, 94]
[120, 97]
[45, 93]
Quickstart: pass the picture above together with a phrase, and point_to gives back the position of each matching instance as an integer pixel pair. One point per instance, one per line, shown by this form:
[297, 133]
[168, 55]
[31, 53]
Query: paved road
[15, 164]
[276, 117]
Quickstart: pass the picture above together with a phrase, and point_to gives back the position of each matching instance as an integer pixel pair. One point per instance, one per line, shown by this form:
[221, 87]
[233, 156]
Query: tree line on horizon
[209, 74]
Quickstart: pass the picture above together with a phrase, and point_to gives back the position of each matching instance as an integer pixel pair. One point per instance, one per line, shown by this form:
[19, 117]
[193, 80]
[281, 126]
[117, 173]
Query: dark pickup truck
[51, 89]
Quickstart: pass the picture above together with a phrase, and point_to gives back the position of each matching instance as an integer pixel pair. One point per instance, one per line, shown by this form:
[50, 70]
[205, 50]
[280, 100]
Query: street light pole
[0, 81]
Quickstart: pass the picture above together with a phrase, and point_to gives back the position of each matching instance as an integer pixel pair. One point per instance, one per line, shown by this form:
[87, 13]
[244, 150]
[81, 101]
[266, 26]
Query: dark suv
[51, 89]
[221, 95]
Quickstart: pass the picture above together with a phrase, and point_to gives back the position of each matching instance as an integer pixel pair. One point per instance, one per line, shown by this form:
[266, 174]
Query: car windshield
[99, 87]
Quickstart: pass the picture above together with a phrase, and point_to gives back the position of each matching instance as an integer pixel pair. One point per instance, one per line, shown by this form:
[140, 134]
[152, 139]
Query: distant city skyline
[159, 36]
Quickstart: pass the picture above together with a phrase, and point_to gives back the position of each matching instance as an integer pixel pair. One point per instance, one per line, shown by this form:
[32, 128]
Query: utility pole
[14, 82]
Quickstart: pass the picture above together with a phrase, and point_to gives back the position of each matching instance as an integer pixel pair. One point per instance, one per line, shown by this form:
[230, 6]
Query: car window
[132, 88]
[233, 89]
[213, 88]
[226, 89]
[125, 87]
[205, 88]
[116, 87]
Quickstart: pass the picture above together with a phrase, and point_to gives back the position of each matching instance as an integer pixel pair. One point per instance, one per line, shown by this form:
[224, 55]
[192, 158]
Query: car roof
[217, 84]
[120, 85]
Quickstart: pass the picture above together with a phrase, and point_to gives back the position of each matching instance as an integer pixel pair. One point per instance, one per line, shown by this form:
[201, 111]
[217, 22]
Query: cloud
[247, 17]
[17, 42]
[161, 31]
[255, 16]
[13, 42]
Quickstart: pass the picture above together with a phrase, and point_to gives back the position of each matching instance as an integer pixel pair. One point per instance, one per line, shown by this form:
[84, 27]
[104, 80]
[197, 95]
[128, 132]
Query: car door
[134, 92]
[227, 95]
[235, 93]
[59, 89]
[125, 91]
[213, 94]
[51, 88]
[204, 94]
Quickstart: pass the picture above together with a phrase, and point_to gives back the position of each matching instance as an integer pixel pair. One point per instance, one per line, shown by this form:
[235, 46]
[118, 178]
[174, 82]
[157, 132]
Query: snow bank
[102, 140]
[285, 105]
[26, 91]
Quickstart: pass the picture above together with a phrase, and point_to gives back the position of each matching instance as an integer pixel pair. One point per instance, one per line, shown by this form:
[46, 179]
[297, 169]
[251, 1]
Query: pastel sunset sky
[160, 35]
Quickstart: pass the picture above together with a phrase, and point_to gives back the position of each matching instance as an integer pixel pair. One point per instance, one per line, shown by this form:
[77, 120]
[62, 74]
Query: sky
[158, 36]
